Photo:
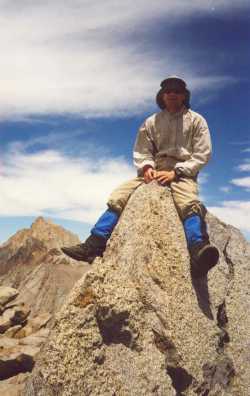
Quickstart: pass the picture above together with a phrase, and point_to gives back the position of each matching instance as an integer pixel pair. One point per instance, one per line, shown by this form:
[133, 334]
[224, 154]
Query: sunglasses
[174, 90]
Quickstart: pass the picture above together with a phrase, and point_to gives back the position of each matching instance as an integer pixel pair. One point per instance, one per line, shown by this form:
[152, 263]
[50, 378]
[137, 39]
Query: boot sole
[77, 257]
[207, 260]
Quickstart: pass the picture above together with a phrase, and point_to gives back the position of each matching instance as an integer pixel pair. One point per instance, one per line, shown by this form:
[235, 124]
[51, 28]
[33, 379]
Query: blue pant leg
[193, 227]
[105, 224]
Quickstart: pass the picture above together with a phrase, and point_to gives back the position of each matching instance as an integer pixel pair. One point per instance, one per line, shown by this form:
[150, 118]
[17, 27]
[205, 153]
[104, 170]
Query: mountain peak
[40, 223]
[44, 230]
[41, 220]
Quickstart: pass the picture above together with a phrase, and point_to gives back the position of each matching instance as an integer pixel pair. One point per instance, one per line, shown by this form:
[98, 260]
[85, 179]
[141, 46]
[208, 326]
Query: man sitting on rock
[171, 147]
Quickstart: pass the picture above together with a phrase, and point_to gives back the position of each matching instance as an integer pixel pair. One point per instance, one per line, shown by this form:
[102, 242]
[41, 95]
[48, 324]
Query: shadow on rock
[201, 289]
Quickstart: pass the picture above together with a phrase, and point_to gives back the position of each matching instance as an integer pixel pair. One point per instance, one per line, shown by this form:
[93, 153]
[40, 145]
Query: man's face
[173, 96]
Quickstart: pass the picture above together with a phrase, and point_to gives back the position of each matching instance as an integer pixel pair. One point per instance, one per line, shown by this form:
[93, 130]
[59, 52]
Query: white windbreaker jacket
[183, 136]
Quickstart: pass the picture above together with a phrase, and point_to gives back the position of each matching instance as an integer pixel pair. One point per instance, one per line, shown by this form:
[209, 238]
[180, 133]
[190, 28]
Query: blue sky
[79, 77]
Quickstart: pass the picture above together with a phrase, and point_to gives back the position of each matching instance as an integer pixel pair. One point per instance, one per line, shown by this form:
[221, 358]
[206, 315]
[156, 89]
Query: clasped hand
[163, 177]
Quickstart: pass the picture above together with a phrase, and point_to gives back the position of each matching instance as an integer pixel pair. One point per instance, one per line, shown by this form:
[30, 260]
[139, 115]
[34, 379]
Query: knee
[191, 208]
[120, 196]
[116, 205]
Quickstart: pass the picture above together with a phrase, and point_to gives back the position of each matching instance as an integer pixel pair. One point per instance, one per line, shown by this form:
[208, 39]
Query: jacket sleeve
[201, 150]
[144, 149]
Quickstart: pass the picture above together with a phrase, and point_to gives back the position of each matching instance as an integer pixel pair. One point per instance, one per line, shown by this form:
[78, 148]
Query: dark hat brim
[174, 79]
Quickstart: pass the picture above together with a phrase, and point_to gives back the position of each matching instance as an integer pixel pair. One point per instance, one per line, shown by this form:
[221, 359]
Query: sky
[78, 78]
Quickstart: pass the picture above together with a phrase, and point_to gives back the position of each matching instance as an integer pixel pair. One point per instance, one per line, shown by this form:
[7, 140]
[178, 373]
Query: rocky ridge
[28, 244]
[20, 336]
[138, 324]
[35, 279]
[31, 261]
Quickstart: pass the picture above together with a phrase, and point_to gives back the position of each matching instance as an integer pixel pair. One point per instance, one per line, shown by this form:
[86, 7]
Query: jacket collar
[178, 114]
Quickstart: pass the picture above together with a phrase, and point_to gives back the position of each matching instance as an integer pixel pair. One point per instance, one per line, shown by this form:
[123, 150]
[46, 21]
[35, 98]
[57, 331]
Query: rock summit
[138, 324]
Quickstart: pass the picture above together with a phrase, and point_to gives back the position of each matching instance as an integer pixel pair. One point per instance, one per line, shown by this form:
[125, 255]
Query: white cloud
[242, 182]
[226, 189]
[203, 177]
[236, 213]
[51, 184]
[245, 167]
[73, 56]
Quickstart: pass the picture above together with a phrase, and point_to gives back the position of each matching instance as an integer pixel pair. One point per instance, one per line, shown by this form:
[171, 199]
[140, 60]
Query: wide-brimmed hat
[168, 82]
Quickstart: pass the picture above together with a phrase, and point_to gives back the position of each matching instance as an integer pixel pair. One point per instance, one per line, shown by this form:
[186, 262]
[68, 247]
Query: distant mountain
[40, 276]
[31, 261]
[42, 234]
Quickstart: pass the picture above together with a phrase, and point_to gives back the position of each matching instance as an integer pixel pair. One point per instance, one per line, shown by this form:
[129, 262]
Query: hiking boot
[203, 257]
[93, 246]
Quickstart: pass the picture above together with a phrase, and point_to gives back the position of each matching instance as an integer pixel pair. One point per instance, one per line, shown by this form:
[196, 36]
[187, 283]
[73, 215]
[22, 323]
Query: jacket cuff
[179, 172]
[144, 163]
